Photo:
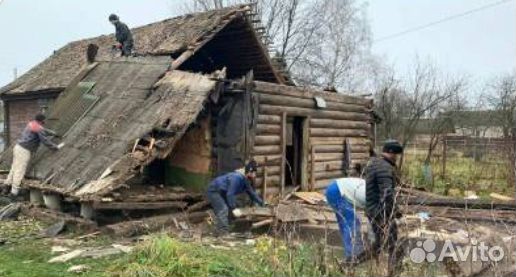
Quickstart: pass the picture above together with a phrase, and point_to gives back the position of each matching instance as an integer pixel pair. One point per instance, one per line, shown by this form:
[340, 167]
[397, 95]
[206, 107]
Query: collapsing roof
[184, 38]
[133, 97]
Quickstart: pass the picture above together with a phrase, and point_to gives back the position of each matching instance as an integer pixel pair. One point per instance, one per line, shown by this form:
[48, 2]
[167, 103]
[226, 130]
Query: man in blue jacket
[223, 190]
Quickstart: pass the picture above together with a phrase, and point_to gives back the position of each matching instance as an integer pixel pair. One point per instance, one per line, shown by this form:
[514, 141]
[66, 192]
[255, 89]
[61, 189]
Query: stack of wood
[151, 198]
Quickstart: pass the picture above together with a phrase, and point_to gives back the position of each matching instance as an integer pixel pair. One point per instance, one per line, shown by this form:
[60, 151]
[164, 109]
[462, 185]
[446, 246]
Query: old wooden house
[202, 98]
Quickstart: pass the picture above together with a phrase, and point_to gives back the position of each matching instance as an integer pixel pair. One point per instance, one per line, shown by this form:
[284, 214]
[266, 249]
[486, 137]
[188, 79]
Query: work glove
[61, 145]
[237, 212]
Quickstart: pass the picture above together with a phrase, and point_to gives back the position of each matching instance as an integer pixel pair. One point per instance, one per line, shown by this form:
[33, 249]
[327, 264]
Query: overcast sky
[481, 44]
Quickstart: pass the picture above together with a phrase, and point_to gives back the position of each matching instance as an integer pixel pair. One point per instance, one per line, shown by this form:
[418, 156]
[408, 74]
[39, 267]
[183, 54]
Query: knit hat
[392, 146]
[40, 117]
[251, 167]
[113, 17]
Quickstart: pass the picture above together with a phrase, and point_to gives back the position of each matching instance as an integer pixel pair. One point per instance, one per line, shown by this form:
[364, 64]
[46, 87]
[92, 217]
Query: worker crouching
[344, 195]
[222, 193]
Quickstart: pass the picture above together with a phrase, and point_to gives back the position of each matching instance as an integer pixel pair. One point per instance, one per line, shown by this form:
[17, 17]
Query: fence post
[443, 173]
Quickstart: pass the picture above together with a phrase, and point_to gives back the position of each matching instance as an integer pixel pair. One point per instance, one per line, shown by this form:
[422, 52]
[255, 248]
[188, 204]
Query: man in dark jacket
[381, 206]
[222, 193]
[123, 35]
[28, 143]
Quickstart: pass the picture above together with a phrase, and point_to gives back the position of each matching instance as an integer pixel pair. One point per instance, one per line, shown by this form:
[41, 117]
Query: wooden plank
[139, 205]
[312, 167]
[264, 182]
[330, 174]
[305, 154]
[283, 152]
[311, 197]
[271, 159]
[341, 148]
[149, 224]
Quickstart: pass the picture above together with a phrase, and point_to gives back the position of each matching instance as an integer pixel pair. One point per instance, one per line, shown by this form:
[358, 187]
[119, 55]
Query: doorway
[295, 151]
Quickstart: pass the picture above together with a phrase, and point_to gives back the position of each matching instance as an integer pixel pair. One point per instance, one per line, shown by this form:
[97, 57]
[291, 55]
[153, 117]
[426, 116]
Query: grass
[25, 255]
[488, 175]
[166, 256]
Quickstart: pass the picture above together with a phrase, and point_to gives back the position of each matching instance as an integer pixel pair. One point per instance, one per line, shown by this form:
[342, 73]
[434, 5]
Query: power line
[449, 18]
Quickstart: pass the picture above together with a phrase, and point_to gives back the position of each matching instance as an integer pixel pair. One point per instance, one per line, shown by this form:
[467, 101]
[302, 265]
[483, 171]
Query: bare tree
[403, 103]
[320, 42]
[503, 101]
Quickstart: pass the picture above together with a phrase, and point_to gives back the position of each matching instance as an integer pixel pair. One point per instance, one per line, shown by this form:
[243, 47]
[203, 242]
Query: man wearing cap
[223, 190]
[123, 35]
[28, 143]
[381, 206]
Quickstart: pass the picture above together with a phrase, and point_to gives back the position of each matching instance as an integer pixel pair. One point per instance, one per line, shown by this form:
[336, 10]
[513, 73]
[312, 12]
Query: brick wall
[22, 111]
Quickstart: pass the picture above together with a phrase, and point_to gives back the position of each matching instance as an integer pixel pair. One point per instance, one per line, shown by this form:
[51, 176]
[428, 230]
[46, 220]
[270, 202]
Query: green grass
[166, 256]
[488, 175]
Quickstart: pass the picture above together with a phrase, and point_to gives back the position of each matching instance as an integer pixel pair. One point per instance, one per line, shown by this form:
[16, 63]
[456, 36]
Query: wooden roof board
[104, 135]
[167, 37]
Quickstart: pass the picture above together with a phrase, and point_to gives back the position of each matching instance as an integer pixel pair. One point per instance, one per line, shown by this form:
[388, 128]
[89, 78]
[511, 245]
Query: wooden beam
[339, 124]
[305, 154]
[308, 93]
[139, 205]
[289, 100]
[283, 151]
[325, 132]
[269, 119]
[267, 150]
[267, 129]
[293, 111]
[267, 140]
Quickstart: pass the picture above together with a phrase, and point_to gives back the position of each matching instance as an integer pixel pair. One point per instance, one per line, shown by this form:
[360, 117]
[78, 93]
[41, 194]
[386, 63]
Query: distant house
[480, 123]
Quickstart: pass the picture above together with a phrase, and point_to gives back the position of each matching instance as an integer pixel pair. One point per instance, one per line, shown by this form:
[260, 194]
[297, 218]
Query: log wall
[345, 117]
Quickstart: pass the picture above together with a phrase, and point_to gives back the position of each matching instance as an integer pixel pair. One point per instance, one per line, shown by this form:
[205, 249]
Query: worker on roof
[222, 193]
[123, 35]
[345, 195]
[28, 143]
[381, 207]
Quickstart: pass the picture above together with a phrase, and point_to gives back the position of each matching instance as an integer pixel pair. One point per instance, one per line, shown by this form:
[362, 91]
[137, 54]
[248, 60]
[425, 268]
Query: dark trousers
[221, 210]
[386, 237]
[127, 48]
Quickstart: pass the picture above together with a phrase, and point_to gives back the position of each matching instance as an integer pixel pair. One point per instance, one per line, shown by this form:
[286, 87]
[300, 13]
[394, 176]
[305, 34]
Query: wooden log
[305, 153]
[283, 146]
[462, 203]
[335, 165]
[329, 174]
[271, 170]
[322, 183]
[292, 101]
[339, 140]
[267, 150]
[269, 88]
[271, 160]
[267, 140]
[312, 167]
[339, 124]
[198, 206]
[269, 119]
[272, 180]
[153, 196]
[323, 132]
[262, 223]
[341, 148]
[293, 111]
[139, 205]
[50, 216]
[149, 224]
[323, 157]
[267, 129]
